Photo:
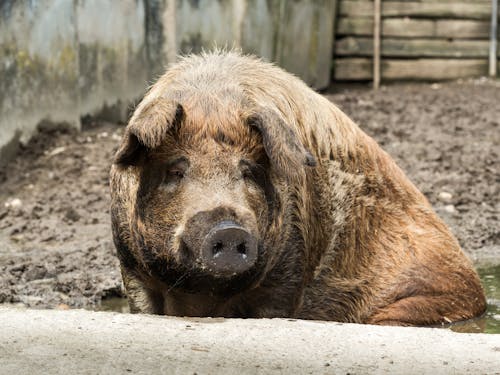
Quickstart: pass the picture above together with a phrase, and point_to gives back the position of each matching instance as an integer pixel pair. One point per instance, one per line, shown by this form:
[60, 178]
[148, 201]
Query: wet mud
[56, 247]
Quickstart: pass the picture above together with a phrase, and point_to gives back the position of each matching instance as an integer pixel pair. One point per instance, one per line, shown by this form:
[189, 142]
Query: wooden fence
[420, 39]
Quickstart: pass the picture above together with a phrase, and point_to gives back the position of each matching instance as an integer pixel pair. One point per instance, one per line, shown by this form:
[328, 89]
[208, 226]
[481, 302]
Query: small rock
[444, 196]
[450, 209]
[435, 86]
[56, 151]
[13, 203]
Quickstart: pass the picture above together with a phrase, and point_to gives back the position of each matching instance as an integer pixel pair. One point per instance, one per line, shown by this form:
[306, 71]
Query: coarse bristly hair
[350, 237]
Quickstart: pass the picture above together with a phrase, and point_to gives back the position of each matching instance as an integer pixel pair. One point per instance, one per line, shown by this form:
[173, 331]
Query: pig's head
[202, 194]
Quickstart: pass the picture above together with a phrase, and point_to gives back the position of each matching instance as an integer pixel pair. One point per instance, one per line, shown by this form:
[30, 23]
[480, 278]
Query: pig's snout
[220, 242]
[228, 249]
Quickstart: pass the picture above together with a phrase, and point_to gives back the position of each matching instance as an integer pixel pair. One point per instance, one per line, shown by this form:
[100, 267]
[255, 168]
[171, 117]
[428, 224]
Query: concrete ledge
[76, 342]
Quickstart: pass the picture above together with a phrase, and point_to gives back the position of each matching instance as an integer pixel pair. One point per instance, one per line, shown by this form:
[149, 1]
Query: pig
[238, 191]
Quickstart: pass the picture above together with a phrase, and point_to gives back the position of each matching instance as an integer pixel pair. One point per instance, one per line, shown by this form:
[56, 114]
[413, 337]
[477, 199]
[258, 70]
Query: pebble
[13, 203]
[56, 151]
[450, 208]
[444, 196]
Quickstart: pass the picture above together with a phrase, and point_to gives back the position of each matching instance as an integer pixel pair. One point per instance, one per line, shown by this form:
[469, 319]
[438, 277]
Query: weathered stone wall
[111, 48]
[297, 34]
[63, 59]
[38, 66]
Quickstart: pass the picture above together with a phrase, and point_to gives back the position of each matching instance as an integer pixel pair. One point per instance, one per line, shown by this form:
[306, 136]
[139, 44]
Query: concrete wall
[62, 59]
[297, 34]
[111, 49]
[38, 66]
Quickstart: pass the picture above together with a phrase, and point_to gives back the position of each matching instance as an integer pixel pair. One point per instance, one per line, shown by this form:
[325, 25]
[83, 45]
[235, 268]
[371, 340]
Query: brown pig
[239, 192]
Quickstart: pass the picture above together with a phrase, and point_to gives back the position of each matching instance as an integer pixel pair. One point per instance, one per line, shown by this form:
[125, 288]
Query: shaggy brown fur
[343, 234]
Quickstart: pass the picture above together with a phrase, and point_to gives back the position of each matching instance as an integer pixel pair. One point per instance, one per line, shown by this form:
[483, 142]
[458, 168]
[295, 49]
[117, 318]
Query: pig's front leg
[141, 299]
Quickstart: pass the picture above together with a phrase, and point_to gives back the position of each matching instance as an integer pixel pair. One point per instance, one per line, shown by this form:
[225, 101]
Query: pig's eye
[252, 172]
[175, 171]
[173, 176]
[246, 170]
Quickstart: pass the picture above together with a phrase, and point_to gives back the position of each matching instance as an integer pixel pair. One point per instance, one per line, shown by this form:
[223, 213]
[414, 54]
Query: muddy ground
[55, 240]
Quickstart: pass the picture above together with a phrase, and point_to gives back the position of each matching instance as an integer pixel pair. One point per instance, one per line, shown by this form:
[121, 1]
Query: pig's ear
[281, 142]
[148, 128]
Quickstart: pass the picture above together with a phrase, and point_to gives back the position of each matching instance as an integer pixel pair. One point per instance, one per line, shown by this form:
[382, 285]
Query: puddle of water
[116, 304]
[489, 323]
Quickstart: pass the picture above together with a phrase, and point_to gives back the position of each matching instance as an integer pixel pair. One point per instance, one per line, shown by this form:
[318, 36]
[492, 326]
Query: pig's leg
[426, 310]
[140, 298]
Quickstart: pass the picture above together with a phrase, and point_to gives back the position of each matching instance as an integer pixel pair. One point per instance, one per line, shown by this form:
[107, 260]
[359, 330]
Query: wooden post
[376, 43]
[493, 38]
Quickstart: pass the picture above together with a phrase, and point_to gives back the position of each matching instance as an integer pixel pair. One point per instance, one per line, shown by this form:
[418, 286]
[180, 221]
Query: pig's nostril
[241, 248]
[217, 248]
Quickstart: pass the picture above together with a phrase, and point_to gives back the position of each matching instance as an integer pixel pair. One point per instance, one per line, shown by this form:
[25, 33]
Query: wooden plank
[353, 69]
[415, 28]
[360, 69]
[429, 1]
[450, 1]
[401, 27]
[446, 1]
[361, 26]
[391, 47]
[462, 29]
[462, 10]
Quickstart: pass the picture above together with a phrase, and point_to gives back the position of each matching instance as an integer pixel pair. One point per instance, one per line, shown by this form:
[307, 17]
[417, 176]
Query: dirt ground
[55, 239]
